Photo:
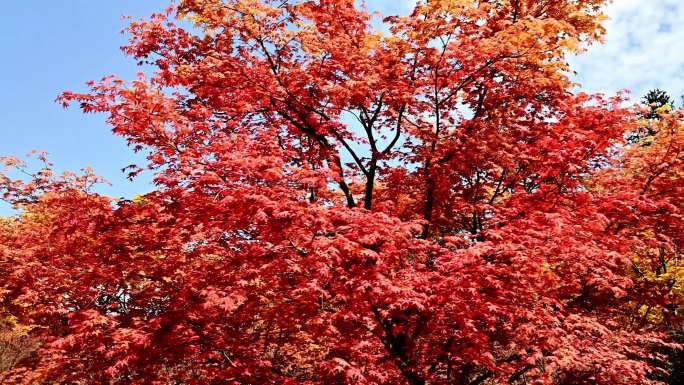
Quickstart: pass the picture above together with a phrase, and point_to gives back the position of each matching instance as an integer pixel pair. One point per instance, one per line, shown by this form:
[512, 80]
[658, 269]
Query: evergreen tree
[656, 100]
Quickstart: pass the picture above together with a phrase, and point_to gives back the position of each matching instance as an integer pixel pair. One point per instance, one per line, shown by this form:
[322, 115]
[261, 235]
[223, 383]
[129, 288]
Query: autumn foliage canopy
[345, 199]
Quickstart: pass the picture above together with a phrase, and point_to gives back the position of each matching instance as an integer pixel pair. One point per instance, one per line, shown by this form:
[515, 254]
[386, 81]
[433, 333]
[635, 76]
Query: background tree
[656, 102]
[16, 345]
[653, 170]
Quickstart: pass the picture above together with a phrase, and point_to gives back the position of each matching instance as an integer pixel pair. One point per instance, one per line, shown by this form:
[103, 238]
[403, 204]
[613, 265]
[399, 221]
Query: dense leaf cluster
[430, 204]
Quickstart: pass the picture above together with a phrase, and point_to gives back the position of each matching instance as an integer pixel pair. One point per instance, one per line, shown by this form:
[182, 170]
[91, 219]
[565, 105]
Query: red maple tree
[334, 204]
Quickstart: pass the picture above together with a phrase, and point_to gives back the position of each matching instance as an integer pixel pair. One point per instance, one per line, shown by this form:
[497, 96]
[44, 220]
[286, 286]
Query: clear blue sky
[52, 46]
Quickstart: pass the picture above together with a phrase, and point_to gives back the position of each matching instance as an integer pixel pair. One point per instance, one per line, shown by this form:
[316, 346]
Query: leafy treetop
[335, 204]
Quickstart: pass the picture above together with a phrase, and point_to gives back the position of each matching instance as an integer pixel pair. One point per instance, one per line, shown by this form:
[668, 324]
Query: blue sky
[644, 49]
[52, 46]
